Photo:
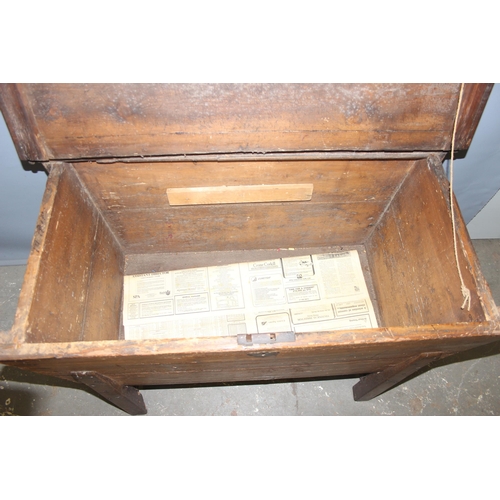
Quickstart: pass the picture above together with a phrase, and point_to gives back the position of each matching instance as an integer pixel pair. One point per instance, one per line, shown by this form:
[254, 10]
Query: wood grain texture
[474, 101]
[348, 197]
[76, 290]
[149, 262]
[113, 120]
[127, 398]
[243, 227]
[216, 195]
[105, 287]
[467, 253]
[412, 258]
[124, 186]
[98, 221]
[35, 260]
[60, 292]
[22, 124]
[212, 360]
[375, 384]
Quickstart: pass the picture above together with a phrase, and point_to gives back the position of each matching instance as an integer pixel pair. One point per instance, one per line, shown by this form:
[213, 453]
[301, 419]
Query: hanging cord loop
[464, 289]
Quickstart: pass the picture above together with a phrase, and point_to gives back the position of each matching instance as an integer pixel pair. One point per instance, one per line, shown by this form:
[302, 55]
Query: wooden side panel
[123, 186]
[412, 258]
[128, 120]
[243, 227]
[348, 197]
[67, 279]
[214, 360]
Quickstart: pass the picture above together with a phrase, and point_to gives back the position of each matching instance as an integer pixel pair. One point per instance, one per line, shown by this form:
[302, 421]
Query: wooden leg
[373, 385]
[125, 397]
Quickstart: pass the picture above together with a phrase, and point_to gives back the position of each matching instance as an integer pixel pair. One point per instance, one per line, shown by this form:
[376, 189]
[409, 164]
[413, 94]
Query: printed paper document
[291, 294]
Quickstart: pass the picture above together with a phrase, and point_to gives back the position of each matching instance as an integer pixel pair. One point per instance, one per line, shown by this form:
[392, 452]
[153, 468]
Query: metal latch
[266, 338]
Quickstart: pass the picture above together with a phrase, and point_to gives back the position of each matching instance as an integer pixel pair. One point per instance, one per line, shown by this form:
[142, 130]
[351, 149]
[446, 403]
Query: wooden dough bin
[372, 156]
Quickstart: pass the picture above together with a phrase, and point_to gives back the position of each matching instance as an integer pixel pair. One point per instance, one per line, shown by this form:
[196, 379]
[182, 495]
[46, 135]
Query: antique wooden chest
[371, 155]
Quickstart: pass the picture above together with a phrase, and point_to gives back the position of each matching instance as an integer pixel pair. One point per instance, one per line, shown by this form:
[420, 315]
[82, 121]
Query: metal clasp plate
[265, 338]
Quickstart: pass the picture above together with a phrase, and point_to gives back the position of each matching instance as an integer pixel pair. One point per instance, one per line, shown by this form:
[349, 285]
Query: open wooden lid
[70, 121]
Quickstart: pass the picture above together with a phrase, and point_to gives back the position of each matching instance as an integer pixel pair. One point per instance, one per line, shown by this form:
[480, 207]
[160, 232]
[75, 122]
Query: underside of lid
[78, 121]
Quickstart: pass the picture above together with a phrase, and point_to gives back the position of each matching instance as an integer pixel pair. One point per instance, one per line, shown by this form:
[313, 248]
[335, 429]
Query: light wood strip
[213, 195]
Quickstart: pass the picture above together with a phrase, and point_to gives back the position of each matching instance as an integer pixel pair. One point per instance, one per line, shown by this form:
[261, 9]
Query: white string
[465, 290]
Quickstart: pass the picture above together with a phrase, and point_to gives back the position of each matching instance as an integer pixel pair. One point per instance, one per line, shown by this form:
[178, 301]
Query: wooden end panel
[79, 264]
[412, 258]
[35, 260]
[60, 293]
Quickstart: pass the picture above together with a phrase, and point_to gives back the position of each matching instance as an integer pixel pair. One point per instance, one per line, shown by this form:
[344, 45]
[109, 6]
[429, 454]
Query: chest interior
[369, 154]
[110, 220]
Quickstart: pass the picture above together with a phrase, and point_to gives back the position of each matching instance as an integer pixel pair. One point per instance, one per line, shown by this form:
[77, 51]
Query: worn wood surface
[473, 103]
[373, 385]
[243, 227]
[105, 287]
[22, 124]
[412, 258]
[212, 360]
[122, 186]
[215, 195]
[99, 221]
[127, 398]
[64, 121]
[76, 291]
[348, 198]
[466, 252]
[36, 257]
[146, 262]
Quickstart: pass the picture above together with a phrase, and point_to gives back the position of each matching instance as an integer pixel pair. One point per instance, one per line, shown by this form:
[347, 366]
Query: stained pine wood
[105, 287]
[36, 257]
[373, 385]
[123, 186]
[127, 398]
[412, 258]
[143, 263]
[63, 121]
[61, 287]
[414, 286]
[365, 149]
[216, 195]
[212, 360]
[240, 227]
[132, 198]
[76, 292]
